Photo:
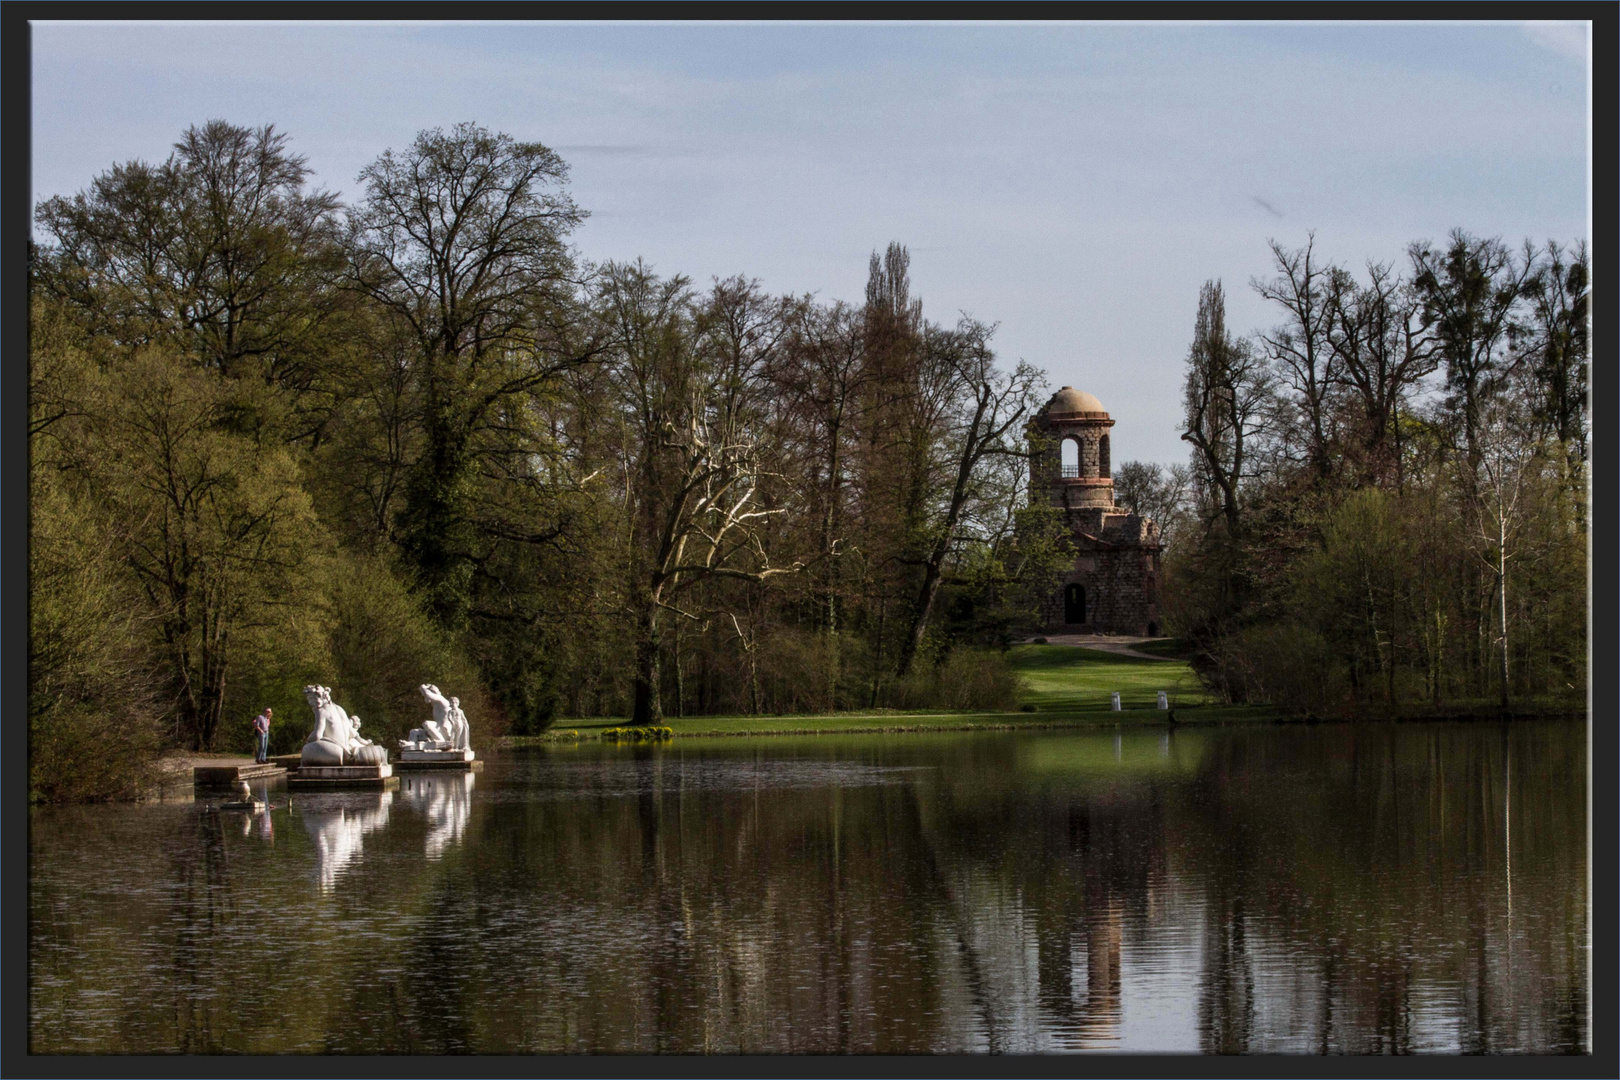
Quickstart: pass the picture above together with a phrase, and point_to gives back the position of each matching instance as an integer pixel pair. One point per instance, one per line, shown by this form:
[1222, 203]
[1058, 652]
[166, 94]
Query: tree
[983, 420]
[219, 251]
[93, 702]
[1299, 348]
[691, 398]
[823, 379]
[1377, 334]
[1470, 294]
[1560, 297]
[217, 531]
[1228, 393]
[462, 239]
[1508, 458]
[1155, 492]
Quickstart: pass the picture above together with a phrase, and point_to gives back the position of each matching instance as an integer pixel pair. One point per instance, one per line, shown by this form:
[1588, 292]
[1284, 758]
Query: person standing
[261, 731]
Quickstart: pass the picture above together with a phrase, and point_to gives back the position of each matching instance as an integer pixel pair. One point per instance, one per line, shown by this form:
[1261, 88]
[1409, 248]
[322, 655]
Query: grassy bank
[1064, 687]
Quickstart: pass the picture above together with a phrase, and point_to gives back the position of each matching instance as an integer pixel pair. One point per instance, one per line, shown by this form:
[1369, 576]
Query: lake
[1335, 888]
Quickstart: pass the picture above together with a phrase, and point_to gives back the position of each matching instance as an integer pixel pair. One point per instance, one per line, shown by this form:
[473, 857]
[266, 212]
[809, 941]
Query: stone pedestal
[343, 776]
[453, 760]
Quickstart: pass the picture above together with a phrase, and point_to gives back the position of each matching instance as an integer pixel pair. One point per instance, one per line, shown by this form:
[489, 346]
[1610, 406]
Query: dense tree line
[279, 440]
[1386, 496]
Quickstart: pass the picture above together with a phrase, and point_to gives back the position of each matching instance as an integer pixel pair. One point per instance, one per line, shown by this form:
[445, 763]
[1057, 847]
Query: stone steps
[227, 776]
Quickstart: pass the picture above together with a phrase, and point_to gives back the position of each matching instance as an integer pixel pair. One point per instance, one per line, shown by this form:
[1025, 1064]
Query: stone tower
[1113, 586]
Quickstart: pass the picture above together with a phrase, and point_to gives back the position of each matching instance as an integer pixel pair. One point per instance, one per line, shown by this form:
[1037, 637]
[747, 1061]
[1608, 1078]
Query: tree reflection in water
[1337, 889]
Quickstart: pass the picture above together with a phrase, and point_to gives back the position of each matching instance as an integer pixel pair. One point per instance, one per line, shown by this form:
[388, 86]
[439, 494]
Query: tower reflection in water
[445, 800]
[338, 825]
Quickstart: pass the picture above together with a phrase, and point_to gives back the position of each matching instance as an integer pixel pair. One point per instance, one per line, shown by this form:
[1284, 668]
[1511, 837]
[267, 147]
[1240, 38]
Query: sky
[1073, 183]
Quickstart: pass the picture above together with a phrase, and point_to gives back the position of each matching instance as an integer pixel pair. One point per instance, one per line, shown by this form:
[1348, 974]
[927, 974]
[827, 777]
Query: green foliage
[383, 647]
[656, 733]
[965, 680]
[1430, 547]
[93, 728]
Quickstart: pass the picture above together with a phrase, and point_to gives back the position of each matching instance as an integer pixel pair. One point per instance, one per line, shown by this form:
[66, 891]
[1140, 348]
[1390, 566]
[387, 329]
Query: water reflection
[338, 825]
[1386, 889]
[445, 799]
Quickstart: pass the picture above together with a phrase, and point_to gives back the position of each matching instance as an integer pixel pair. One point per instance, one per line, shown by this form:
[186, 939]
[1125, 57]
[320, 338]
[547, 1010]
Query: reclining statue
[336, 738]
[446, 731]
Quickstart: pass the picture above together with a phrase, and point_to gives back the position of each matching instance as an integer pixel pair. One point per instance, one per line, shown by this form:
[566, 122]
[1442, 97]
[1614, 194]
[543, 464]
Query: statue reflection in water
[339, 830]
[445, 800]
[261, 824]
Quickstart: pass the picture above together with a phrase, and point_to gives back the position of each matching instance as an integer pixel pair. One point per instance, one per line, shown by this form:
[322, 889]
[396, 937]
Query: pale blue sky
[1076, 183]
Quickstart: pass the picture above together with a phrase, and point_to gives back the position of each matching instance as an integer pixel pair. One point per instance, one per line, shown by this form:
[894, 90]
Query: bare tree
[693, 394]
[1299, 348]
[985, 420]
[1155, 492]
[1383, 351]
[1509, 455]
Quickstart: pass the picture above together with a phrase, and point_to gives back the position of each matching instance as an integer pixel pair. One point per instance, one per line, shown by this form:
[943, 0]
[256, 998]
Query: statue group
[336, 738]
[446, 731]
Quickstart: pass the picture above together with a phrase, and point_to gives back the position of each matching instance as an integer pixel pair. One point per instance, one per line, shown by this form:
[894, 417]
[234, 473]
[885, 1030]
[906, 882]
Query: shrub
[965, 680]
[638, 734]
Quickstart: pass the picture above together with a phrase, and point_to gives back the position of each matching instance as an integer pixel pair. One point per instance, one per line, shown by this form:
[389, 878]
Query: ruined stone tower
[1113, 586]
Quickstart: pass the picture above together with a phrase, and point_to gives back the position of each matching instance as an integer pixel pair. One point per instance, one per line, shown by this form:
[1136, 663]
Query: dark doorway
[1153, 629]
[1074, 604]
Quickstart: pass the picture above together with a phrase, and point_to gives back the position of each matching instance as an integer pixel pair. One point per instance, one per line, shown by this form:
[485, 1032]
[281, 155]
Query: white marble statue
[336, 738]
[446, 731]
[459, 732]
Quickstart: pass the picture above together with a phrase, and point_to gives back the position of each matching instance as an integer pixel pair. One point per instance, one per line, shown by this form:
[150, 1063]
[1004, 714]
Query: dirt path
[1112, 644]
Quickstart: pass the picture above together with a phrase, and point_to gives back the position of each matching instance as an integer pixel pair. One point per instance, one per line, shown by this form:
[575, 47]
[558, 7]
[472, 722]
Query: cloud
[1267, 207]
[1570, 39]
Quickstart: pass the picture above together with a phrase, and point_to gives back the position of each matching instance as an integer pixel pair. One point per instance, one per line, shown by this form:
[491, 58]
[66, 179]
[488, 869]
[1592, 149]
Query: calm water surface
[1330, 889]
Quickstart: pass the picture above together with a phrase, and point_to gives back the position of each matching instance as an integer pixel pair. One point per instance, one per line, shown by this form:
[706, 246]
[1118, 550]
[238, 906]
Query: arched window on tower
[1102, 458]
[1071, 459]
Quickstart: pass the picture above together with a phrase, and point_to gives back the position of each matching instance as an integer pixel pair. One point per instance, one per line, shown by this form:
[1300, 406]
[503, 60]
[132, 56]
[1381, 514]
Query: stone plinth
[436, 755]
[438, 760]
[344, 776]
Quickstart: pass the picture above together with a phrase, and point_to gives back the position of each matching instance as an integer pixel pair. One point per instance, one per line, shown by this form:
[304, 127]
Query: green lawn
[1064, 685]
[1062, 680]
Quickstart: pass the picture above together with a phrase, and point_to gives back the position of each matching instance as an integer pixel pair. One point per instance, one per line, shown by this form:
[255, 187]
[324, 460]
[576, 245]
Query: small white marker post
[1115, 701]
[1164, 702]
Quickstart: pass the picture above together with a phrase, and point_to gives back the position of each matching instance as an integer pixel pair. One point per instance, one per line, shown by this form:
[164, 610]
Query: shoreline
[1196, 716]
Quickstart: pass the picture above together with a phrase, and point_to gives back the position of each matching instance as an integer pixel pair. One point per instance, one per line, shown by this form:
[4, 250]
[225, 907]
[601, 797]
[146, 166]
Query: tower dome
[1070, 400]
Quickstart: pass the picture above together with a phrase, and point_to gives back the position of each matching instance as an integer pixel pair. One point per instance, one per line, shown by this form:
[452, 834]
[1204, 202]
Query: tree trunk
[649, 708]
[919, 621]
[1501, 592]
[680, 675]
